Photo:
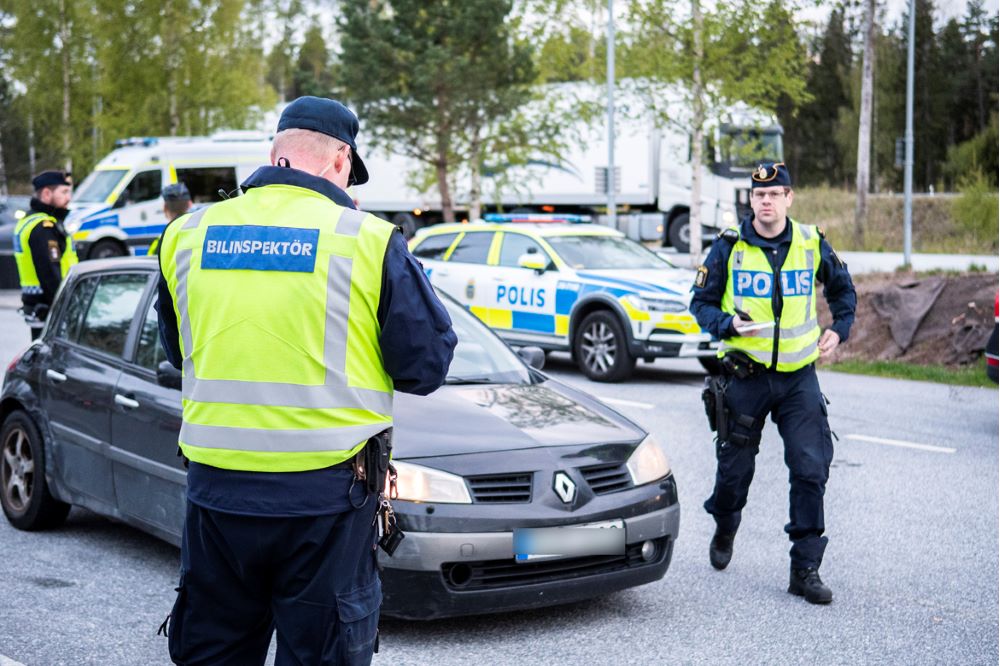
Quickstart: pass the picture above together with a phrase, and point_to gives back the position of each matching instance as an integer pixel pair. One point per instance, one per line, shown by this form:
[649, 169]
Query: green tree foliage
[134, 68]
[432, 79]
[313, 75]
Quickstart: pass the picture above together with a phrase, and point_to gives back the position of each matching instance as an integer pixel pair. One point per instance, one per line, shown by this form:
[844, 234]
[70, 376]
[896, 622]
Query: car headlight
[416, 483]
[655, 304]
[648, 462]
[73, 226]
[729, 218]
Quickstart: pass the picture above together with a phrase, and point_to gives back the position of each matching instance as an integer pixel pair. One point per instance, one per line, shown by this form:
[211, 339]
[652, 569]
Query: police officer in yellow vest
[756, 293]
[293, 317]
[43, 251]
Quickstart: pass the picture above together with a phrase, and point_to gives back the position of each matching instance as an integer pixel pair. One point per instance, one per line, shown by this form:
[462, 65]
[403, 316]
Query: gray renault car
[494, 468]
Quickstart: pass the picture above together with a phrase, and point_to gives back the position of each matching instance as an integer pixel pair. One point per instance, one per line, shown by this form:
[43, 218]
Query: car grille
[501, 489]
[493, 574]
[607, 478]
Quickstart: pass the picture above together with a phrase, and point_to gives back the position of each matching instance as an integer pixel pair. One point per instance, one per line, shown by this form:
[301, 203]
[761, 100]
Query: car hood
[666, 282]
[462, 419]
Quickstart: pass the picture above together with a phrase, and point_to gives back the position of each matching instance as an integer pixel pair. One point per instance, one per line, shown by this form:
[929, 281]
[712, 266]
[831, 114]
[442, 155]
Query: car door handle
[56, 377]
[441, 272]
[127, 403]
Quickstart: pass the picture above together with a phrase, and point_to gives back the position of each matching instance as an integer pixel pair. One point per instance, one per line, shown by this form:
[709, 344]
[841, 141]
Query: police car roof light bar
[544, 218]
[137, 141]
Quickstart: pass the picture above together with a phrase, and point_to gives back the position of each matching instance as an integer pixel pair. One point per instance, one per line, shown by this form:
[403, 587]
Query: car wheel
[106, 249]
[680, 233]
[407, 223]
[602, 349]
[712, 364]
[24, 493]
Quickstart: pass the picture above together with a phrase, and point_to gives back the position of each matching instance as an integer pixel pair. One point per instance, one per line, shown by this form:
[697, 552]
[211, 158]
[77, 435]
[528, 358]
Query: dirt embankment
[924, 319]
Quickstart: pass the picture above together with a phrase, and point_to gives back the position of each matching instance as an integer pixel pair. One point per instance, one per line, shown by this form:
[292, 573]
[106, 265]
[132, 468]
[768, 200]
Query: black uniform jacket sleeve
[417, 339]
[838, 290]
[46, 253]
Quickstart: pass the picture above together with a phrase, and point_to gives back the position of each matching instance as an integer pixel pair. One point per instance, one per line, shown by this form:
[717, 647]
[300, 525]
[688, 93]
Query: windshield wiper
[451, 379]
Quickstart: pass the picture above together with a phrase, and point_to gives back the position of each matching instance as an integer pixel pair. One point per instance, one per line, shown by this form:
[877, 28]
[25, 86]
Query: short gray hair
[296, 141]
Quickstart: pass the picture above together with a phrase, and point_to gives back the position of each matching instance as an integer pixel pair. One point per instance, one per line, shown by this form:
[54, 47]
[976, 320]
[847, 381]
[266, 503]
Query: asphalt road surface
[911, 510]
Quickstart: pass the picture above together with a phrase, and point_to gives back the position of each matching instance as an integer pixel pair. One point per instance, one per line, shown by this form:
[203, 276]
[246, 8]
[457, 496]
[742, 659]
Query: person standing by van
[43, 251]
[176, 202]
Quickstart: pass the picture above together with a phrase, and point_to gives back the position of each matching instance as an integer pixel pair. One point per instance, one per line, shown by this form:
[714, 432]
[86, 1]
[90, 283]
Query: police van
[563, 284]
[117, 209]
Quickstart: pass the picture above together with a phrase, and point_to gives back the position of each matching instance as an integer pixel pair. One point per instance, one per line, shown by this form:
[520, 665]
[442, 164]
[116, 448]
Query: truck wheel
[24, 493]
[601, 348]
[680, 233]
[106, 249]
[407, 223]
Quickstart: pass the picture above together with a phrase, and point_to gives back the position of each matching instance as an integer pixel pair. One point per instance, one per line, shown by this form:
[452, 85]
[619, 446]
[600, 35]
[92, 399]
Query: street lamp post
[908, 163]
[612, 206]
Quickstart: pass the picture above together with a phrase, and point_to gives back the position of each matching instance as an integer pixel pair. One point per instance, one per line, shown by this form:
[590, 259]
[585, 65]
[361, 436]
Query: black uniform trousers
[312, 578]
[799, 409]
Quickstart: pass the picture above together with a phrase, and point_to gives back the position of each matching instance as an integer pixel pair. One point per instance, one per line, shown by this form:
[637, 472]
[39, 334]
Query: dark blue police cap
[176, 192]
[329, 117]
[771, 174]
[50, 179]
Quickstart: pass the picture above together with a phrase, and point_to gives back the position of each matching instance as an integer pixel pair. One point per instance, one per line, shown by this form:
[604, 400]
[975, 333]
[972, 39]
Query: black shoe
[720, 551]
[806, 583]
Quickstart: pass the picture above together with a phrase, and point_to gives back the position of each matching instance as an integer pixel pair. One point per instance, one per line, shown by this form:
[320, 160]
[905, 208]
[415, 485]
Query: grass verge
[970, 375]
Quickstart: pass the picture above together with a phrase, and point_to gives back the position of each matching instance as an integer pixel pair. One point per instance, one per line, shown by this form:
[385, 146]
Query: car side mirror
[167, 375]
[534, 261]
[533, 356]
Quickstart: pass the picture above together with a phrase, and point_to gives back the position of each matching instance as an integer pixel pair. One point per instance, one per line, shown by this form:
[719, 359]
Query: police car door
[431, 251]
[521, 299]
[140, 209]
[461, 275]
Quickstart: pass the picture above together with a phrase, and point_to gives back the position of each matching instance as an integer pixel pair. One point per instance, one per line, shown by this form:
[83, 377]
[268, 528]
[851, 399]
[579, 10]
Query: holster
[740, 365]
[377, 454]
[714, 397]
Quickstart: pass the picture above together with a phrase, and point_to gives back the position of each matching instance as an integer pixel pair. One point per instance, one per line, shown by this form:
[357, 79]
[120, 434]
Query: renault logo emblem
[564, 487]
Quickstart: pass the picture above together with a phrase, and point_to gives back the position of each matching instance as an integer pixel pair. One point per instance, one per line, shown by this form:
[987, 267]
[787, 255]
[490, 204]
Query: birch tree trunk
[697, 133]
[865, 127]
[3, 169]
[64, 37]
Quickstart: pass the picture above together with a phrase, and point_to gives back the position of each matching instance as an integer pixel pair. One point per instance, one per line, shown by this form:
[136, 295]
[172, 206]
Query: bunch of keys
[390, 535]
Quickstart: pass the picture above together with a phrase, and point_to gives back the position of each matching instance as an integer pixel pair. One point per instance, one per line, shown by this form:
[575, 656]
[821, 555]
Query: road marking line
[626, 403]
[901, 443]
[7, 661]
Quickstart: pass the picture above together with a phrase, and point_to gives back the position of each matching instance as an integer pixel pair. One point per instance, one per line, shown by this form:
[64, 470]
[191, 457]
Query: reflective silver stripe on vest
[195, 219]
[737, 264]
[279, 441]
[332, 394]
[797, 356]
[811, 323]
[350, 221]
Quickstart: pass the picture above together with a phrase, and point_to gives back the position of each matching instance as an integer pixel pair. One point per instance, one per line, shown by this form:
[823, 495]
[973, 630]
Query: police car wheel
[601, 349]
[24, 493]
[105, 249]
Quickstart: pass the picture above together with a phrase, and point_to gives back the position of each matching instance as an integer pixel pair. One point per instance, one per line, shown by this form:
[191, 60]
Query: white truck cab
[117, 209]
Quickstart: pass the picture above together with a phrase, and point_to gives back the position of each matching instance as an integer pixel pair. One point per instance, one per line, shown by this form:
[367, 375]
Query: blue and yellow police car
[565, 285]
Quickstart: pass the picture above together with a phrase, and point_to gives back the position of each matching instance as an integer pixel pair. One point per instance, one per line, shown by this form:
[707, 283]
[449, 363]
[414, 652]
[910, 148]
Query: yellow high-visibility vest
[750, 288]
[276, 294]
[22, 253]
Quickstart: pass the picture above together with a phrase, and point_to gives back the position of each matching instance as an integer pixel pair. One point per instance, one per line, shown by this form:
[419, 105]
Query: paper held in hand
[755, 326]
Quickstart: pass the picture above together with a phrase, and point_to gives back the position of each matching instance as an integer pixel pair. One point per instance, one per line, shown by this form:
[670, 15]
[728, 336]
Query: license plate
[606, 537]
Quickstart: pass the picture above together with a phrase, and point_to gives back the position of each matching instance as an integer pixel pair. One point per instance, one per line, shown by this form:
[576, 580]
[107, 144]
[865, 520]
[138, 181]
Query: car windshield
[96, 187]
[480, 356]
[595, 252]
[745, 148]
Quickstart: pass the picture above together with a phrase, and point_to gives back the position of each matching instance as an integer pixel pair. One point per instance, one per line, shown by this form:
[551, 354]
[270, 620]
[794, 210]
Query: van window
[204, 183]
[434, 247]
[145, 186]
[473, 248]
[97, 187]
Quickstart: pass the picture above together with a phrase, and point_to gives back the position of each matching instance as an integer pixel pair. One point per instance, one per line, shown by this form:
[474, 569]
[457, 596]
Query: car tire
[601, 348]
[24, 491]
[712, 364]
[105, 249]
[680, 233]
[407, 223]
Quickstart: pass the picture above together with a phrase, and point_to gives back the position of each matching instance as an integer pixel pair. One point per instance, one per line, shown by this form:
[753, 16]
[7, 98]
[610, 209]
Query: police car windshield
[594, 252]
[96, 187]
[480, 355]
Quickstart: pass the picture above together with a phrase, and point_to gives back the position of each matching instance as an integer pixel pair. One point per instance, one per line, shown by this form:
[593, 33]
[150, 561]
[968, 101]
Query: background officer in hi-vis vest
[176, 202]
[43, 251]
[756, 293]
[294, 317]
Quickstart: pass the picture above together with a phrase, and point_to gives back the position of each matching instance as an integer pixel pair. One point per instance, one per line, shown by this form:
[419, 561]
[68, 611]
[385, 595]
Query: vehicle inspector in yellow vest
[43, 251]
[756, 293]
[293, 317]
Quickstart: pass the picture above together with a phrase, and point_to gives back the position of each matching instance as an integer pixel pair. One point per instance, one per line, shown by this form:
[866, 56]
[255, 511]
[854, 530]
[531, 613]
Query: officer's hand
[828, 342]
